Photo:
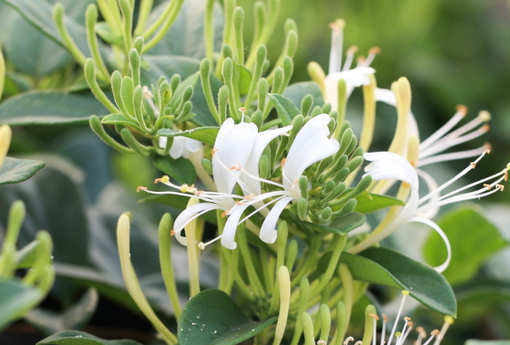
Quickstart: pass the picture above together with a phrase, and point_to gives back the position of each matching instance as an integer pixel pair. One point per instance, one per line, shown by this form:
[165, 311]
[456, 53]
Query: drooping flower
[353, 76]
[388, 165]
[311, 145]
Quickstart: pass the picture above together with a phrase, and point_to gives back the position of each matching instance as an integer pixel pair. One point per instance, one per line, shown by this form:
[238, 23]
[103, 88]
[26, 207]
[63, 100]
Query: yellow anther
[484, 115]
[172, 232]
[500, 187]
[164, 179]
[374, 50]
[360, 59]
[405, 292]
[242, 109]
[285, 160]
[337, 24]
[213, 152]
[488, 186]
[184, 188]
[449, 320]
[398, 334]
[224, 214]
[385, 317]
[201, 245]
[347, 340]
[374, 316]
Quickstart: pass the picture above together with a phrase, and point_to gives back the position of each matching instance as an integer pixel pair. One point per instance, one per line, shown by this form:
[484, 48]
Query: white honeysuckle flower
[312, 144]
[235, 158]
[388, 165]
[430, 149]
[354, 77]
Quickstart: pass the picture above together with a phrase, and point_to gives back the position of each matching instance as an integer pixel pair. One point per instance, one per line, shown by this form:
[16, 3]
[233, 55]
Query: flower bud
[302, 208]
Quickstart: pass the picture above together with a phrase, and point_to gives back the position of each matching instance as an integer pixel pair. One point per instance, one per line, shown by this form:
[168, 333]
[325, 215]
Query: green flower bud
[349, 206]
[279, 75]
[227, 52]
[138, 45]
[292, 250]
[297, 124]
[174, 82]
[352, 145]
[306, 104]
[326, 108]
[335, 193]
[127, 89]
[262, 88]
[134, 64]
[325, 214]
[265, 167]
[341, 175]
[331, 125]
[302, 208]
[355, 163]
[316, 111]
[207, 165]
[327, 188]
[303, 187]
[223, 102]
[256, 118]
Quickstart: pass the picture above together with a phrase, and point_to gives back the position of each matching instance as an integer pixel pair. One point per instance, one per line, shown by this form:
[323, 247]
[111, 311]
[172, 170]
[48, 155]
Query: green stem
[166, 26]
[339, 244]
[143, 14]
[127, 23]
[97, 127]
[91, 21]
[90, 77]
[248, 262]
[58, 18]
[165, 261]
[209, 30]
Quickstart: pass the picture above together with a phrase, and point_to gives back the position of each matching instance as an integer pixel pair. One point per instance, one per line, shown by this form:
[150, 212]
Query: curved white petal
[311, 145]
[353, 78]
[193, 145]
[268, 233]
[441, 233]
[385, 95]
[431, 186]
[178, 147]
[229, 231]
[389, 165]
[232, 148]
[252, 165]
[193, 212]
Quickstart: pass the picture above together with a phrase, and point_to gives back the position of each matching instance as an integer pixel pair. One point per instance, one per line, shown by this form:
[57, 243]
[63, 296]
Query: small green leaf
[368, 203]
[211, 317]
[468, 252]
[387, 267]
[180, 169]
[206, 135]
[285, 108]
[15, 170]
[297, 91]
[341, 225]
[81, 338]
[118, 119]
[480, 299]
[44, 108]
[179, 93]
[76, 317]
[16, 299]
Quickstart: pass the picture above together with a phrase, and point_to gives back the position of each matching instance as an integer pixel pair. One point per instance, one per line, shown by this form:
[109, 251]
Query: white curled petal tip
[389, 165]
[193, 145]
[268, 233]
[178, 148]
[191, 213]
[441, 233]
[385, 95]
[230, 228]
[355, 77]
[162, 142]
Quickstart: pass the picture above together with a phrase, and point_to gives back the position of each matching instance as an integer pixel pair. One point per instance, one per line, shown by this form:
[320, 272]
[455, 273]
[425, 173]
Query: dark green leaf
[16, 299]
[206, 135]
[473, 239]
[341, 225]
[180, 169]
[43, 108]
[297, 91]
[203, 115]
[387, 267]
[211, 317]
[285, 108]
[243, 332]
[81, 338]
[76, 317]
[15, 170]
[177, 96]
[368, 203]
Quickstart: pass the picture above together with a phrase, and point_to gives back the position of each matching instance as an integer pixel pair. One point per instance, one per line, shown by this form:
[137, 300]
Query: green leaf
[15, 170]
[44, 108]
[76, 317]
[387, 267]
[25, 257]
[297, 91]
[480, 300]
[186, 36]
[118, 119]
[244, 79]
[203, 115]
[177, 96]
[473, 239]
[206, 135]
[39, 14]
[81, 338]
[285, 108]
[368, 203]
[342, 225]
[211, 317]
[180, 169]
[16, 299]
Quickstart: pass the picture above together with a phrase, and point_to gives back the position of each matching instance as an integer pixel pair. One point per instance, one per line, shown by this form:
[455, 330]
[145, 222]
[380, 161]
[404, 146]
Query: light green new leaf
[81, 338]
[473, 240]
[15, 170]
[206, 135]
[285, 108]
[368, 203]
[44, 108]
[297, 91]
[211, 317]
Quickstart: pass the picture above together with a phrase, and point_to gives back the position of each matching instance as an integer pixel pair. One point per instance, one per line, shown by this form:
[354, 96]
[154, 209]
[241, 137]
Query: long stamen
[349, 58]
[405, 293]
[454, 155]
[456, 118]
[260, 208]
[421, 334]
[374, 336]
[448, 320]
[383, 332]
[432, 335]
[335, 57]
[371, 56]
[202, 245]
[405, 333]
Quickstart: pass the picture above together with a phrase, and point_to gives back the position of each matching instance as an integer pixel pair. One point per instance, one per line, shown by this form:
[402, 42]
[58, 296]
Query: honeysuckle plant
[263, 177]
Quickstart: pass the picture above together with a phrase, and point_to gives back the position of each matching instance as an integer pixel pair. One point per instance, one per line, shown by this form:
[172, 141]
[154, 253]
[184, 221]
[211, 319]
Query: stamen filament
[456, 118]
[451, 156]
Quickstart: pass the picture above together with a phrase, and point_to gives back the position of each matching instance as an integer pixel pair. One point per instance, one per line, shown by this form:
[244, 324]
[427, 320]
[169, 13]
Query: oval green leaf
[212, 317]
[368, 203]
[297, 91]
[180, 169]
[285, 108]
[16, 299]
[15, 170]
[341, 225]
[387, 267]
